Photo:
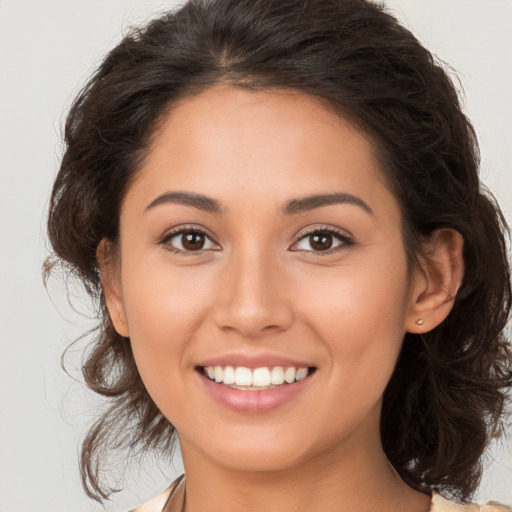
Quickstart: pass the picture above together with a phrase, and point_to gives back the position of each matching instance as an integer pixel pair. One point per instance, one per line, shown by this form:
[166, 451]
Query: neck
[343, 479]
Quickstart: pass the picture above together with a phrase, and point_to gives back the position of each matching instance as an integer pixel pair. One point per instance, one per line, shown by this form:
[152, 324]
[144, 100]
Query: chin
[260, 449]
[255, 459]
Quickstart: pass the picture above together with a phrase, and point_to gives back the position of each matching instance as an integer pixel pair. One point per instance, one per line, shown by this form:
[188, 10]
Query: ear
[437, 283]
[108, 265]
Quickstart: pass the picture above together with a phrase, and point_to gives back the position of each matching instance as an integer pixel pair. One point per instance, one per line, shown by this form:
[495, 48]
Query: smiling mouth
[257, 379]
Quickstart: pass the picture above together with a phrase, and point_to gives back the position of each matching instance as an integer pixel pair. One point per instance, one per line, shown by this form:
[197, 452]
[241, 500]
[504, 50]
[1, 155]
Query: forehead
[251, 117]
[227, 141]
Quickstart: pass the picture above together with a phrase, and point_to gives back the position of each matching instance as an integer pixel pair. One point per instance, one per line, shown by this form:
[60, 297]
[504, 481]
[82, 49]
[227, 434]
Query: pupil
[193, 241]
[321, 242]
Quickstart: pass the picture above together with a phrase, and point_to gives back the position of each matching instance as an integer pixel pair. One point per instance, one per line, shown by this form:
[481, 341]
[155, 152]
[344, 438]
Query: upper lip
[254, 361]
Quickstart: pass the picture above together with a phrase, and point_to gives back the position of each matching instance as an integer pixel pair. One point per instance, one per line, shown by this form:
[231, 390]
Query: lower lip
[254, 402]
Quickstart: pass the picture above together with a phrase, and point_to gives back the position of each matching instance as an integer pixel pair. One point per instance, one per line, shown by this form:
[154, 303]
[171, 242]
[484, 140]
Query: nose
[253, 297]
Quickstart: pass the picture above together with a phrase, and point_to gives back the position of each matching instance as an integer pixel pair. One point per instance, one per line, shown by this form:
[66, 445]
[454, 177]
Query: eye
[187, 240]
[323, 240]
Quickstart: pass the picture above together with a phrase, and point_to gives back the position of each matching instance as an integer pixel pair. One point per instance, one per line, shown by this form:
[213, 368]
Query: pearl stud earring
[419, 321]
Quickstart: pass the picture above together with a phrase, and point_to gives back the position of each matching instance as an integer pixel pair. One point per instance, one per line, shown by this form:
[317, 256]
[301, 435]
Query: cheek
[164, 309]
[359, 315]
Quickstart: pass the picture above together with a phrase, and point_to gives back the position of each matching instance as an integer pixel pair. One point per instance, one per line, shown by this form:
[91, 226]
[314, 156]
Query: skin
[255, 288]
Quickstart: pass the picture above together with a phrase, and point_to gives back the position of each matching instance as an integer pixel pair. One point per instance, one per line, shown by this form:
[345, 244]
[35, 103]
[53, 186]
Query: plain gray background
[47, 50]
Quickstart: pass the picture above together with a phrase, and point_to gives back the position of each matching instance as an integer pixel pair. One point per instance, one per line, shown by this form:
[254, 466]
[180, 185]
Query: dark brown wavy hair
[447, 396]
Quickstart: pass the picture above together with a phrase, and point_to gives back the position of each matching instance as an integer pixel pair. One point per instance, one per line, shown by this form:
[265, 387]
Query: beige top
[176, 492]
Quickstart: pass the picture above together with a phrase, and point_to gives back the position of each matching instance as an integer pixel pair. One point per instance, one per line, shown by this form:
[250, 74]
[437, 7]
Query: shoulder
[440, 504]
[158, 502]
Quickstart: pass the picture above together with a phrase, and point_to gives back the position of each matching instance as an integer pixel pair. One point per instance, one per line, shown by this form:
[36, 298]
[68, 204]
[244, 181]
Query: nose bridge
[252, 298]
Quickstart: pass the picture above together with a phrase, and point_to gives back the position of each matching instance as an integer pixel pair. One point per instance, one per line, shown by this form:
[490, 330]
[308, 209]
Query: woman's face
[259, 234]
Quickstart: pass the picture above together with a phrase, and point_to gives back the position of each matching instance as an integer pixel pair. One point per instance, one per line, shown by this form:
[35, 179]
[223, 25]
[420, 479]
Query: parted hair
[447, 397]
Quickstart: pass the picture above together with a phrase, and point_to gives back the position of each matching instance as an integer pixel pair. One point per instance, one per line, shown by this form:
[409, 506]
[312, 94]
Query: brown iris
[192, 241]
[321, 241]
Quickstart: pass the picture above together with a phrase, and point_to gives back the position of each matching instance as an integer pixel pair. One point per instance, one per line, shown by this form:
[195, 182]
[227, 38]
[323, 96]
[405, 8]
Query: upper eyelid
[177, 230]
[330, 229]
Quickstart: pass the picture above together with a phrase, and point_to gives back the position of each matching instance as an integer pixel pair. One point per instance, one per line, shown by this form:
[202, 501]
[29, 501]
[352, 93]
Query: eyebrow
[292, 207]
[303, 204]
[198, 201]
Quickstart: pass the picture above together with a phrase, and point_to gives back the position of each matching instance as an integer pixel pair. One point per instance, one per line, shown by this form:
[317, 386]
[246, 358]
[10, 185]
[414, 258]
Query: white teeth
[243, 376]
[301, 373]
[277, 375]
[289, 375]
[229, 375]
[259, 378]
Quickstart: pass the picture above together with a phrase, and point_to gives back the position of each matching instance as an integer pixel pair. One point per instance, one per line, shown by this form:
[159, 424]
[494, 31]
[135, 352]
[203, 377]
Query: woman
[276, 204]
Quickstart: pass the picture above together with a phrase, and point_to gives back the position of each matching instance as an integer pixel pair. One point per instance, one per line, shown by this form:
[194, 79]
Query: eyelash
[181, 231]
[346, 241]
